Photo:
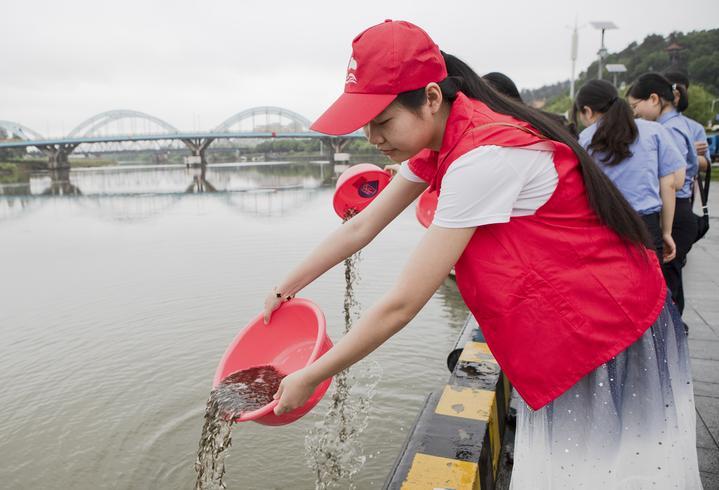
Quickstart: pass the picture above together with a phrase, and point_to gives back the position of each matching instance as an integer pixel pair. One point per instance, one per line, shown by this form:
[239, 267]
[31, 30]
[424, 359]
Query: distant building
[674, 49]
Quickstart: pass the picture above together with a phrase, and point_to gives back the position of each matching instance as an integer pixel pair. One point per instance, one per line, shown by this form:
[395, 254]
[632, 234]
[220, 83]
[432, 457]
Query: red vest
[557, 293]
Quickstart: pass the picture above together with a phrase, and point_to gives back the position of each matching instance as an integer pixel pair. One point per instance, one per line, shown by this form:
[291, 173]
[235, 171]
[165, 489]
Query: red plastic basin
[295, 337]
[357, 187]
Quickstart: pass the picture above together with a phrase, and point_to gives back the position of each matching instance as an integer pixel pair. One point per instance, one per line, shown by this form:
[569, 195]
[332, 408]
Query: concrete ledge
[456, 440]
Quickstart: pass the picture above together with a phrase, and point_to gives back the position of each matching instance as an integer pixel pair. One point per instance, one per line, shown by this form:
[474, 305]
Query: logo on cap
[351, 68]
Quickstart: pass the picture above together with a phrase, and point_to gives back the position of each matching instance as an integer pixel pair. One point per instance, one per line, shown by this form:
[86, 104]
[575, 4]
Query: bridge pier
[57, 155]
[334, 145]
[197, 146]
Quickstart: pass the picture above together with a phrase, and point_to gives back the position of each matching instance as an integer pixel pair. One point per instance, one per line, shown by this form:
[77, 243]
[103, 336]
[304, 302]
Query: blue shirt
[698, 133]
[679, 129]
[654, 155]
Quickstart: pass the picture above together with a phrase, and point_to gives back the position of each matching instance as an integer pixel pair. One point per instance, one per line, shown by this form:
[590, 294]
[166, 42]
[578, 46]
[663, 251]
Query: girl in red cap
[551, 260]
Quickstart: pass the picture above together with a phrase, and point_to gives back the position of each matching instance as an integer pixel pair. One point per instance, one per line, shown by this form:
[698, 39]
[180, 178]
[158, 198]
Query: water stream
[240, 392]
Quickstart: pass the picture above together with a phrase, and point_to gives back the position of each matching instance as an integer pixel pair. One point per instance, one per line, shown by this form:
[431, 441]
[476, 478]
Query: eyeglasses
[634, 104]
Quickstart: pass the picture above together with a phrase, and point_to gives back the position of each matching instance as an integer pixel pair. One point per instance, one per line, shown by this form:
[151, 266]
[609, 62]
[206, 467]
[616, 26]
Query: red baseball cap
[387, 59]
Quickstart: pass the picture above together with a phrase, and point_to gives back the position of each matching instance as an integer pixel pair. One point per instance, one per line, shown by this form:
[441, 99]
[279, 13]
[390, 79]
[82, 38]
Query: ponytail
[616, 129]
[683, 102]
[604, 198]
[682, 85]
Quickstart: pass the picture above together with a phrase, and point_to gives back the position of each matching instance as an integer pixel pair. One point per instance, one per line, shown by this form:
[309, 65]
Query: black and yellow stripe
[456, 441]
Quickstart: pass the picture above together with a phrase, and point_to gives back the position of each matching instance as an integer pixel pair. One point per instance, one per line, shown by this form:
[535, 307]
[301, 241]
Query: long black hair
[501, 83]
[605, 199]
[616, 129]
[682, 85]
[655, 83]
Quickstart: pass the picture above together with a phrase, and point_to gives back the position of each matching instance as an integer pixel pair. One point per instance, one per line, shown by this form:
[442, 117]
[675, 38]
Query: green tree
[10, 153]
[360, 146]
[705, 69]
[699, 59]
[655, 61]
[700, 104]
[559, 105]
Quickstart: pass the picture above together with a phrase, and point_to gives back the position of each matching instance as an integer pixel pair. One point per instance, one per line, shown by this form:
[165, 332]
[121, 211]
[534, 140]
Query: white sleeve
[407, 173]
[490, 184]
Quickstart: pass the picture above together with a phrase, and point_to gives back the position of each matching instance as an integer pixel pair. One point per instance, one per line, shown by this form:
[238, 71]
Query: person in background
[681, 102]
[505, 86]
[651, 97]
[639, 156]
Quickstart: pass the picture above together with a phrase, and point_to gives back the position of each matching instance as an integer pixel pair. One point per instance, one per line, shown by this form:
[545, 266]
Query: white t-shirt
[490, 184]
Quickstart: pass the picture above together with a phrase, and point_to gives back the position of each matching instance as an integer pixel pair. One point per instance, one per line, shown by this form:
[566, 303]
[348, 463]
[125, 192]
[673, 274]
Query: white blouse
[490, 184]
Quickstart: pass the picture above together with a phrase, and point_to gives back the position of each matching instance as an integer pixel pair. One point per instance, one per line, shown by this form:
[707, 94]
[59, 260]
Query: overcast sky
[196, 63]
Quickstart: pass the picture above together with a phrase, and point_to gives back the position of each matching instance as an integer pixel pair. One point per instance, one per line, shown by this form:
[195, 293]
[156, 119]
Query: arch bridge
[120, 127]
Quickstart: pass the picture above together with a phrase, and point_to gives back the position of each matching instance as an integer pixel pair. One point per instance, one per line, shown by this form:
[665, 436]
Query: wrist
[283, 295]
[311, 375]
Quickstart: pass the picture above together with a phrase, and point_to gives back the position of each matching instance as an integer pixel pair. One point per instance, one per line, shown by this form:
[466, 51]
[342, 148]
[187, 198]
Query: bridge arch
[20, 131]
[91, 125]
[299, 122]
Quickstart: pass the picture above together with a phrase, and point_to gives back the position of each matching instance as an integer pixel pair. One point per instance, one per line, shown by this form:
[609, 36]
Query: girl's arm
[679, 177]
[427, 268]
[347, 239]
[702, 149]
[667, 193]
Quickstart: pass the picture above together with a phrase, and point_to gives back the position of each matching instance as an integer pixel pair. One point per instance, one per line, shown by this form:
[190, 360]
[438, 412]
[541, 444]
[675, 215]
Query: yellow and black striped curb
[456, 441]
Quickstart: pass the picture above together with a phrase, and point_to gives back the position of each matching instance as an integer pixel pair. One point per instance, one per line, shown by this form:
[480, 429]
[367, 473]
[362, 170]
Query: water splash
[332, 447]
[240, 392]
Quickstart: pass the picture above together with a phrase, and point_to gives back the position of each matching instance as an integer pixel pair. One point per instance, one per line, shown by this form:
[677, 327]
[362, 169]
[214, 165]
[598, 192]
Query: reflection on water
[199, 182]
[139, 192]
[60, 184]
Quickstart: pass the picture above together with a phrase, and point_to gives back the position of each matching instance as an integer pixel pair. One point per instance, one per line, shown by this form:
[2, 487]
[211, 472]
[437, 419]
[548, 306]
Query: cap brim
[350, 112]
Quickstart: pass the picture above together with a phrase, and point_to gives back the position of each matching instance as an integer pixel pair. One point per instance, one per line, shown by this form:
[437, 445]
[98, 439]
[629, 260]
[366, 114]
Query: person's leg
[684, 231]
[653, 224]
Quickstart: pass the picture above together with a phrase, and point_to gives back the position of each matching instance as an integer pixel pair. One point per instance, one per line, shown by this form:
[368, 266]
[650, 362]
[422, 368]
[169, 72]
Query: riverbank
[18, 171]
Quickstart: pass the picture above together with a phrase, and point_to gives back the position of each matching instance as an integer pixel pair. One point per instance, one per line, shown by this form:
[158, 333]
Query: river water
[120, 292]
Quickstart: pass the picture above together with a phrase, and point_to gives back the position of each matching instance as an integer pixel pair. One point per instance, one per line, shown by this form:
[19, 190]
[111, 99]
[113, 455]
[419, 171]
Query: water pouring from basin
[357, 187]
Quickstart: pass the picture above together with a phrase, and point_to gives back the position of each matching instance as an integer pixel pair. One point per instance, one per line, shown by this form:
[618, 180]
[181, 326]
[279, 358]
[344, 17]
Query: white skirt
[629, 424]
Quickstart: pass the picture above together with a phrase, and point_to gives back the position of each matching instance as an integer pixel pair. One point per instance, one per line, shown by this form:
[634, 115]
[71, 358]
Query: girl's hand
[272, 302]
[701, 147]
[392, 168]
[294, 391]
[670, 248]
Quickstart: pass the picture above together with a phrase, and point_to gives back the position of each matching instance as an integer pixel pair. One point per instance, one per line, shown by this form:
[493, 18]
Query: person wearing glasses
[639, 156]
[652, 97]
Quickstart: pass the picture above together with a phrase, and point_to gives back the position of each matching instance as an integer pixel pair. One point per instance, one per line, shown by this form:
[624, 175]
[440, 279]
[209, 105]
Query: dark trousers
[653, 222]
[684, 230]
